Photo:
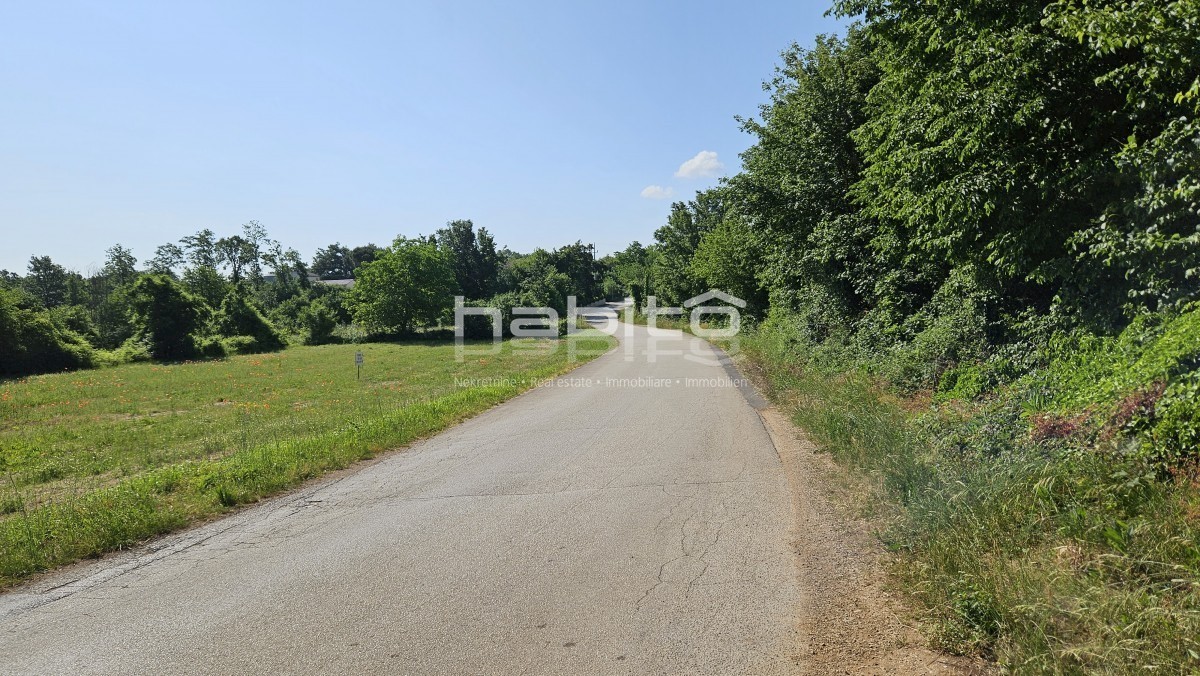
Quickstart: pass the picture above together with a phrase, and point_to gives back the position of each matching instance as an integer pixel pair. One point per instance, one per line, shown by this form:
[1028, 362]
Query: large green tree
[410, 284]
[333, 262]
[820, 254]
[50, 283]
[476, 263]
[674, 279]
[167, 317]
[729, 258]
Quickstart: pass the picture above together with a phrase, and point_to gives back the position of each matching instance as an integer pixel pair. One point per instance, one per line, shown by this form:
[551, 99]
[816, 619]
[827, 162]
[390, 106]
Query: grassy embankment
[96, 460]
[1035, 520]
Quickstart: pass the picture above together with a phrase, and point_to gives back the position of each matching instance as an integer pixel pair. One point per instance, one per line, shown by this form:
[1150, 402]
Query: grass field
[95, 460]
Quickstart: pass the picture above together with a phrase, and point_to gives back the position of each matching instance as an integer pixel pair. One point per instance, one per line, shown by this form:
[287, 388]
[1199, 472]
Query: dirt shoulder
[848, 622]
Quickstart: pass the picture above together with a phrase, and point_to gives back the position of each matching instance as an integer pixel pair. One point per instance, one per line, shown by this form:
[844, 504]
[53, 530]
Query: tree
[120, 266]
[167, 318]
[238, 254]
[541, 283]
[728, 258]
[361, 255]
[239, 318]
[794, 193]
[475, 260]
[1146, 243]
[489, 262]
[257, 244]
[410, 284]
[677, 241]
[48, 282]
[577, 263]
[30, 342]
[630, 270]
[201, 249]
[989, 142]
[207, 284]
[333, 262]
[166, 258]
[111, 315]
[110, 308]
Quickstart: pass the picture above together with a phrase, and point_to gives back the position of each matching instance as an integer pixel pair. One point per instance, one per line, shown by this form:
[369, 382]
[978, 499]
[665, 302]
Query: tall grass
[163, 446]
[1045, 556]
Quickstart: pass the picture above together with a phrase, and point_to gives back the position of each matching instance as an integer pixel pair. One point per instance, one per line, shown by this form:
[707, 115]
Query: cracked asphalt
[633, 517]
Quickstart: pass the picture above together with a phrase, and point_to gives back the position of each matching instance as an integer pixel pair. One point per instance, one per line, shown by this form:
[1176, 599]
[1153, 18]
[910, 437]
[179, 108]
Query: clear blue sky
[545, 122]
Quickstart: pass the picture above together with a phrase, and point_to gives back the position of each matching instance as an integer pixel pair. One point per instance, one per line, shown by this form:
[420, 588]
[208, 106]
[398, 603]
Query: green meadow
[96, 460]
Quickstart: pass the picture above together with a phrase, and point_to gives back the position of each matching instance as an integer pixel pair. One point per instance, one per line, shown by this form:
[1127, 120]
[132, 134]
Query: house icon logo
[715, 294]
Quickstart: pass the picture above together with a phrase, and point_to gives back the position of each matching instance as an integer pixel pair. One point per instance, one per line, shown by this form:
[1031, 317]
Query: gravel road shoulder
[848, 621]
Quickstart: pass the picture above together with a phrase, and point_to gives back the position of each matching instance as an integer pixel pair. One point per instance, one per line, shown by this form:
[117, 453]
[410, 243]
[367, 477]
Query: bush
[951, 329]
[319, 323]
[167, 317]
[1172, 431]
[237, 318]
[133, 350]
[213, 348]
[75, 318]
[1051, 549]
[479, 327]
[30, 342]
[237, 345]
[113, 326]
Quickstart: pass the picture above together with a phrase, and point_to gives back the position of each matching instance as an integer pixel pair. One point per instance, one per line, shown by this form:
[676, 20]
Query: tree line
[207, 296]
[950, 182]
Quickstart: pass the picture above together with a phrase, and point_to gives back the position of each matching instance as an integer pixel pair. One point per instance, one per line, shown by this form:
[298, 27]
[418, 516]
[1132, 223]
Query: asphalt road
[624, 520]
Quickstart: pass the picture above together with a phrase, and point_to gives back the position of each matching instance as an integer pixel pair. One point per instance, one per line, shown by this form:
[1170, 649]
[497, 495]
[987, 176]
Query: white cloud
[657, 192]
[704, 164]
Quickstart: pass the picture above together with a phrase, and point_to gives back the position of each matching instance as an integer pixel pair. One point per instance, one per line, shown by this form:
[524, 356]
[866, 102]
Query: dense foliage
[168, 317]
[951, 184]
[410, 284]
[30, 340]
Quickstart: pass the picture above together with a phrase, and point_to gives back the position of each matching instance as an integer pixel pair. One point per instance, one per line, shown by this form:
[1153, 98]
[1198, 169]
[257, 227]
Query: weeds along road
[604, 524]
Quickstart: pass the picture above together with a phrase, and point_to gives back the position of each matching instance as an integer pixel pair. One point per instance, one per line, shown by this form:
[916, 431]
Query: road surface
[632, 518]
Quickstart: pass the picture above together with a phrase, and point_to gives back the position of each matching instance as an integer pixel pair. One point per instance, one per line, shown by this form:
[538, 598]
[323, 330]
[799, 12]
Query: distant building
[313, 279]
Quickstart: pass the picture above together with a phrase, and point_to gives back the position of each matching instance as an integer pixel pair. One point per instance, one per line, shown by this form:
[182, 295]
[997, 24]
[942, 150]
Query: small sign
[358, 359]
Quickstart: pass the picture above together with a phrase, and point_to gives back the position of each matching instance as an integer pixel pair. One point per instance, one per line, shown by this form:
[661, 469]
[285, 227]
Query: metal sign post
[358, 362]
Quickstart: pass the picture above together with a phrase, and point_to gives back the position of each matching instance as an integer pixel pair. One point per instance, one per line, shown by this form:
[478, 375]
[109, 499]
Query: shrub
[133, 350]
[212, 348]
[1172, 439]
[952, 328]
[30, 342]
[239, 318]
[479, 327]
[75, 318]
[318, 322]
[238, 345]
[166, 316]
